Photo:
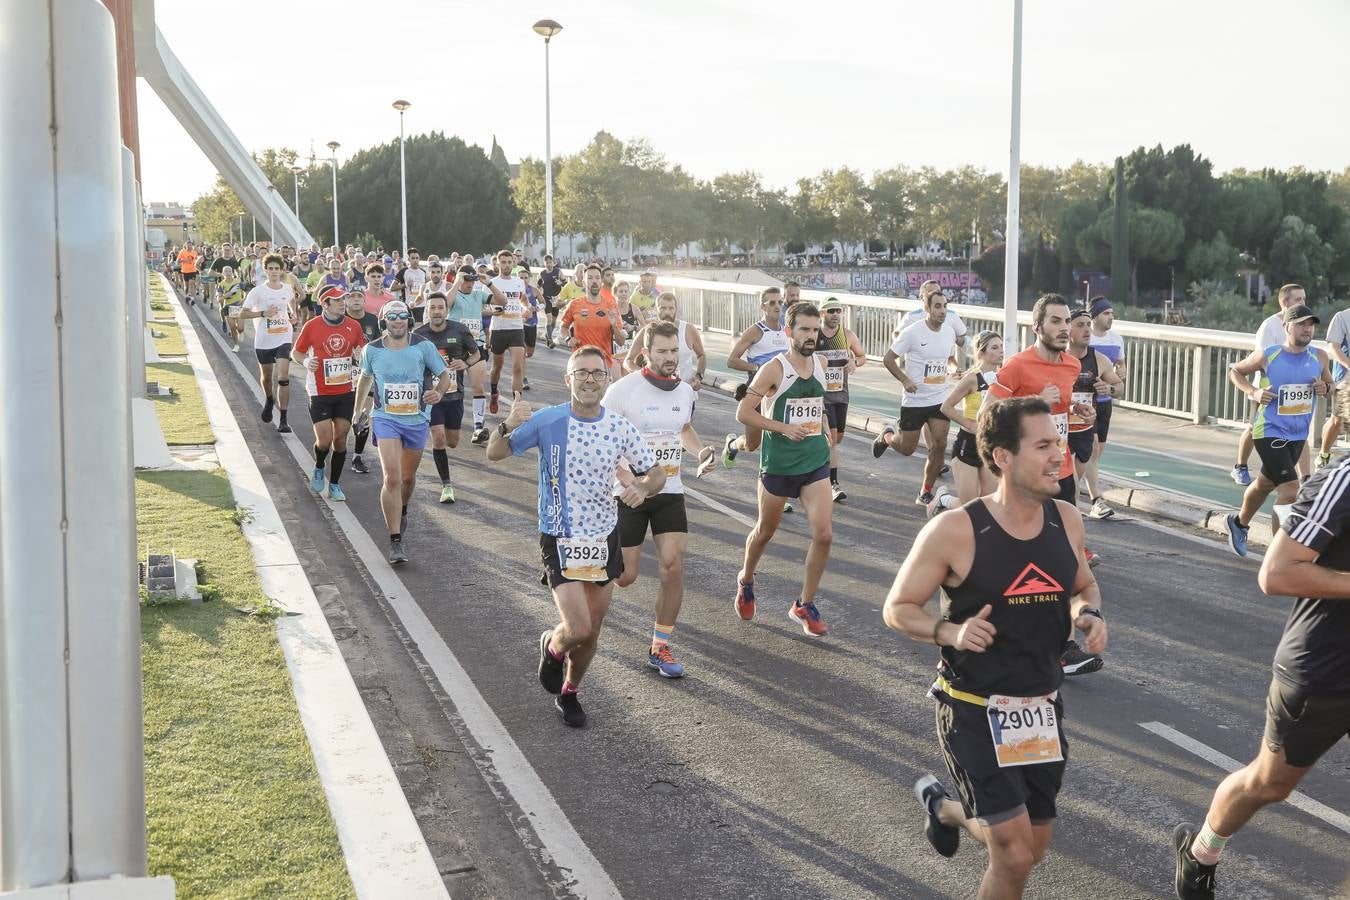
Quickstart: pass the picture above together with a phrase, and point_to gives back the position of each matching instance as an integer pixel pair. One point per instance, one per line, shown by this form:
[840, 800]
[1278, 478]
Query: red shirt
[1026, 375]
[375, 301]
[333, 346]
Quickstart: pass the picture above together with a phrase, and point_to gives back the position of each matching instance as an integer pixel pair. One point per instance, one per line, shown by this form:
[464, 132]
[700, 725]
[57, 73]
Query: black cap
[467, 270]
[1300, 313]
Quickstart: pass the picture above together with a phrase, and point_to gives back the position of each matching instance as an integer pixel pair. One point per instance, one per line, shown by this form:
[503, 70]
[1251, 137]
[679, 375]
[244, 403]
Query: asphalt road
[781, 765]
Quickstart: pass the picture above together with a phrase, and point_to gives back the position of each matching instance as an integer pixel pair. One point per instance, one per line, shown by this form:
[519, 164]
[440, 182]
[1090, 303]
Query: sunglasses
[394, 317]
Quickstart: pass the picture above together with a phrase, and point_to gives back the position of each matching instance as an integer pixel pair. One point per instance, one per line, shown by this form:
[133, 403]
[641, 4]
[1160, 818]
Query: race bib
[1077, 398]
[935, 371]
[234, 311]
[805, 411]
[402, 399]
[1025, 730]
[1061, 427]
[1295, 400]
[475, 327]
[337, 370]
[515, 309]
[669, 451]
[834, 378]
[453, 385]
[583, 559]
[279, 325]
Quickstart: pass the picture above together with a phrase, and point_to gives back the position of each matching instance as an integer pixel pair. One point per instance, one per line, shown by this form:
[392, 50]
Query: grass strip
[182, 415]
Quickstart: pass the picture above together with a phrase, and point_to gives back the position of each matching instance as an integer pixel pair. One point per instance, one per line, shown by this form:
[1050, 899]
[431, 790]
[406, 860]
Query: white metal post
[403, 183]
[548, 158]
[1010, 334]
[333, 148]
[135, 276]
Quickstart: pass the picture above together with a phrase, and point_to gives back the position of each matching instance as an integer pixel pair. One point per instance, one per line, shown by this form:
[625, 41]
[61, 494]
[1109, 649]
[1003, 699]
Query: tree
[497, 156]
[1298, 255]
[989, 265]
[590, 198]
[1215, 261]
[1249, 210]
[214, 210]
[891, 197]
[529, 195]
[1119, 237]
[840, 198]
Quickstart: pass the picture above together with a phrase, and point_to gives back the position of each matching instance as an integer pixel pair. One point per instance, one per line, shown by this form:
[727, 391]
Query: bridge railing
[1173, 370]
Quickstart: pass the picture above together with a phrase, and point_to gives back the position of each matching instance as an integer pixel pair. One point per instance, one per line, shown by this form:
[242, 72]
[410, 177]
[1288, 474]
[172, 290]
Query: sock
[494, 387]
[557, 657]
[1208, 845]
[404, 511]
[479, 410]
[361, 437]
[268, 402]
[661, 635]
[1324, 456]
[935, 804]
[320, 457]
[442, 460]
[834, 474]
[927, 488]
[396, 536]
[569, 688]
[339, 459]
[283, 415]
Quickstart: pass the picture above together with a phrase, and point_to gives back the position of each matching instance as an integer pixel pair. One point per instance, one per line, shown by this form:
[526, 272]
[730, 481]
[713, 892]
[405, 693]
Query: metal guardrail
[1173, 370]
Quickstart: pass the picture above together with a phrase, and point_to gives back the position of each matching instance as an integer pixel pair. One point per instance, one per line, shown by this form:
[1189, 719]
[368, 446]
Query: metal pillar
[548, 156]
[132, 220]
[72, 803]
[1011, 336]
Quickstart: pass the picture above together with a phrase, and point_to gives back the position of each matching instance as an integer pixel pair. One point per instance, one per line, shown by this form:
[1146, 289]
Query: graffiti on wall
[960, 287]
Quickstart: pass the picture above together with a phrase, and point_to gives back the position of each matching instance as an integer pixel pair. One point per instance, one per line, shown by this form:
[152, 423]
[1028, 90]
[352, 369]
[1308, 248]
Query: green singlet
[798, 401]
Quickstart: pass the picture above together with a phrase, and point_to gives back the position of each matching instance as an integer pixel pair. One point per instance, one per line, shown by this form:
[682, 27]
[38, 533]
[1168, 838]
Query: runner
[231, 304]
[531, 329]
[1012, 581]
[632, 319]
[1110, 345]
[692, 358]
[326, 348]
[841, 353]
[458, 350]
[409, 281]
[786, 404]
[1338, 346]
[915, 316]
[273, 304]
[919, 360]
[551, 282]
[396, 365]
[661, 405]
[758, 344]
[1270, 334]
[473, 301]
[593, 321]
[370, 330]
[1293, 376]
[188, 258]
[305, 275]
[581, 445]
[375, 295]
[435, 282]
[962, 406]
[1096, 378]
[1308, 705]
[507, 336]
[646, 295]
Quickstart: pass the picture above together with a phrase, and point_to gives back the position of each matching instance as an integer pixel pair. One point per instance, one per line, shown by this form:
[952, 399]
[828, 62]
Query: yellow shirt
[569, 292]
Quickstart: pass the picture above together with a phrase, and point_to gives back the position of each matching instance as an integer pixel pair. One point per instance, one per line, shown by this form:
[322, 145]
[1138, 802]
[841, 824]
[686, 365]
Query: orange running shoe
[745, 600]
[807, 616]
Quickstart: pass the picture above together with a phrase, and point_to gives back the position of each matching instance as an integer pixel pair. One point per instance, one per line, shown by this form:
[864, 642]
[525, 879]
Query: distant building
[173, 221]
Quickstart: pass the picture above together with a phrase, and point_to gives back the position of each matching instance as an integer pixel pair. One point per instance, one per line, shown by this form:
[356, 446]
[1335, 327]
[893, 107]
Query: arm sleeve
[1322, 508]
[302, 341]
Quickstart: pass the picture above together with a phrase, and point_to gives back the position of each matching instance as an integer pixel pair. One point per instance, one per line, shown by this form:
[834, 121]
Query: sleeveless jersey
[798, 401]
[772, 341]
[1029, 584]
[687, 369]
[834, 354]
[970, 406]
[1084, 389]
[1290, 377]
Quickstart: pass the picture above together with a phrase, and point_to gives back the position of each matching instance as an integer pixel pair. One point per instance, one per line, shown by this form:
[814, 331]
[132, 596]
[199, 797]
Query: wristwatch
[1089, 611]
[502, 429]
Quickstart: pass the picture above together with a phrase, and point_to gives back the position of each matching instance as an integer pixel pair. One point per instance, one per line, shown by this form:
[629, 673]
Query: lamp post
[547, 28]
[295, 175]
[402, 106]
[333, 146]
[1010, 334]
[272, 217]
[241, 225]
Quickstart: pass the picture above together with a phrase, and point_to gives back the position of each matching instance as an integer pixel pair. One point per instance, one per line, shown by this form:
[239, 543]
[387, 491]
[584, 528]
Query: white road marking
[1296, 799]
[720, 507]
[1215, 544]
[562, 845]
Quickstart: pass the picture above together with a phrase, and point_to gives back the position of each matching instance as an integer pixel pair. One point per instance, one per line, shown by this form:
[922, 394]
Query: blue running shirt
[398, 378]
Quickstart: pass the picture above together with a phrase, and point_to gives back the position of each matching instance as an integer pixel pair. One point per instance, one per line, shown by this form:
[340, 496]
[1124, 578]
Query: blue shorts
[413, 436]
[791, 485]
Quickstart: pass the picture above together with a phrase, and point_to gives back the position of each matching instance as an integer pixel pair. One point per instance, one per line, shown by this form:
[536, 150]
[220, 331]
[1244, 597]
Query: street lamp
[547, 28]
[1010, 333]
[272, 216]
[402, 106]
[241, 226]
[295, 174]
[333, 146]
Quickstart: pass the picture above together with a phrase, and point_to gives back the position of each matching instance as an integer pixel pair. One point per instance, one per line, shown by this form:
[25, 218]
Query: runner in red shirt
[327, 347]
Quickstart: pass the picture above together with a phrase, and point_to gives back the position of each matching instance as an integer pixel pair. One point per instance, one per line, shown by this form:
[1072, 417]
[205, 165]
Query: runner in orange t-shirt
[187, 266]
[591, 321]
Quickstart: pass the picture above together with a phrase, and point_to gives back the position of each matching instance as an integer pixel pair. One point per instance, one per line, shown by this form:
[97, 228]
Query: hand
[362, 420]
[707, 461]
[431, 397]
[795, 433]
[272, 311]
[910, 386]
[1262, 397]
[697, 381]
[458, 365]
[1101, 387]
[977, 633]
[312, 363]
[1094, 633]
[1320, 388]
[629, 492]
[520, 413]
[1050, 394]
[850, 367]
[1086, 411]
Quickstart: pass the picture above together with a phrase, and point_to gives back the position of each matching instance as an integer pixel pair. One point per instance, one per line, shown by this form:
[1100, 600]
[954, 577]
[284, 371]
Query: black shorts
[502, 340]
[548, 550]
[791, 485]
[307, 303]
[837, 415]
[323, 407]
[663, 513]
[1305, 724]
[189, 276]
[1068, 490]
[449, 413]
[989, 793]
[549, 308]
[417, 314]
[268, 357]
[966, 449]
[1082, 443]
[531, 335]
[1103, 426]
[913, 417]
[1279, 458]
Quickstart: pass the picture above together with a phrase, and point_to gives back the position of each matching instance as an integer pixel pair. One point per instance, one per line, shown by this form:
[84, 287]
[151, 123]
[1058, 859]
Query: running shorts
[1103, 425]
[414, 437]
[325, 407]
[1068, 490]
[449, 413]
[790, 486]
[502, 340]
[1305, 725]
[913, 417]
[189, 276]
[837, 415]
[270, 356]
[966, 449]
[662, 513]
[548, 550]
[1082, 443]
[531, 333]
[1279, 458]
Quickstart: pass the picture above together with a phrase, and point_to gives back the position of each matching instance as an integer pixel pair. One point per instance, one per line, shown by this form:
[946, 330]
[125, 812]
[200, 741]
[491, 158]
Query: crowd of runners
[398, 351]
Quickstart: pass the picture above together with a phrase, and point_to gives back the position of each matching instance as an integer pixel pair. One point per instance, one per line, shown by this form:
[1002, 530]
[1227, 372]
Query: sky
[784, 88]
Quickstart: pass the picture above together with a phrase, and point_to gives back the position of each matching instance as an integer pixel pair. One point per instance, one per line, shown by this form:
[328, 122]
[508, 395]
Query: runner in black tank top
[1014, 580]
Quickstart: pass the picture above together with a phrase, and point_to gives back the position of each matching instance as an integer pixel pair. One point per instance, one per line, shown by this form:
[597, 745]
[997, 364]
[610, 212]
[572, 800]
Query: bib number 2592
[583, 559]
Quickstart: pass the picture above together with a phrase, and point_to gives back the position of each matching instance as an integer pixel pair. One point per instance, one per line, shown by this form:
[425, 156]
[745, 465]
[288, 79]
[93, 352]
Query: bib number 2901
[1025, 730]
[583, 559]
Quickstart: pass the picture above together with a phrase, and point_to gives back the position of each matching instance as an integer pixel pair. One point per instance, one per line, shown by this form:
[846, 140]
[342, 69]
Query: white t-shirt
[1271, 331]
[413, 279]
[512, 318]
[427, 289]
[660, 416]
[926, 353]
[915, 316]
[271, 331]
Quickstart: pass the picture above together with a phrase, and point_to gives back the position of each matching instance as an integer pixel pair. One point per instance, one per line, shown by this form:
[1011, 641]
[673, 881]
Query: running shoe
[543, 578]
[396, 554]
[1237, 534]
[663, 661]
[930, 794]
[1076, 662]
[359, 465]
[525, 384]
[740, 391]
[1323, 459]
[879, 445]
[1194, 880]
[267, 410]
[316, 481]
[548, 342]
[283, 427]
[480, 436]
[1241, 475]
[492, 403]
[1100, 510]
[745, 600]
[335, 493]
[924, 498]
[1093, 559]
[945, 470]
[838, 493]
[787, 507]
[569, 706]
[729, 451]
[235, 348]
[807, 616]
[447, 494]
[941, 502]
[550, 669]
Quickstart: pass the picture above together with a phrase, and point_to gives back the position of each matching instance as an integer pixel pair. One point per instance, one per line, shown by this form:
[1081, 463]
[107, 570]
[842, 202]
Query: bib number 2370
[583, 559]
[402, 399]
[1025, 730]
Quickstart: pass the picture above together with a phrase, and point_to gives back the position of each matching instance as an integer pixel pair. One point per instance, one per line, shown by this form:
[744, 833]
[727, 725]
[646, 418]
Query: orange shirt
[1026, 375]
[592, 324]
[187, 262]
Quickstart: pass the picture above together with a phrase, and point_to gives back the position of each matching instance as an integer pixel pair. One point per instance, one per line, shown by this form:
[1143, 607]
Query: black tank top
[1029, 584]
[1087, 373]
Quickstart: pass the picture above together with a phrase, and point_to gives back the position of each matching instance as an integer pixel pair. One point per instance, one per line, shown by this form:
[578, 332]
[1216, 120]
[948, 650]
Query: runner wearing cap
[840, 351]
[1293, 376]
[1271, 334]
[326, 348]
[1105, 341]
[1096, 377]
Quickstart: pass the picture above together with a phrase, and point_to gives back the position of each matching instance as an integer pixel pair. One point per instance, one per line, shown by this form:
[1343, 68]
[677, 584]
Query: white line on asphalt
[1216, 544]
[562, 845]
[720, 507]
[1297, 799]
